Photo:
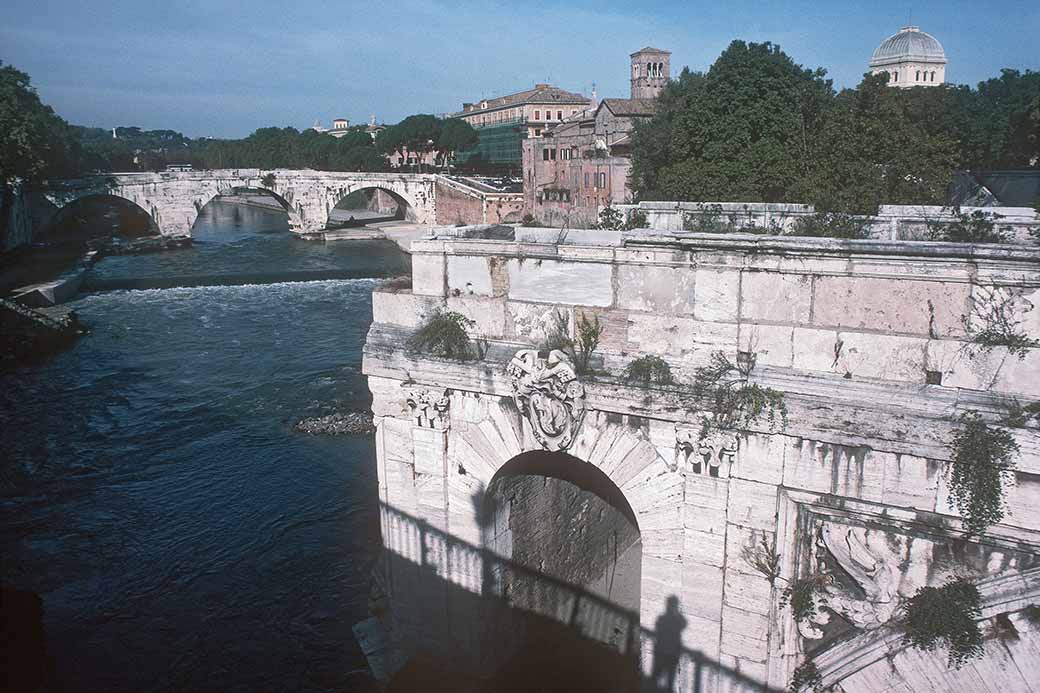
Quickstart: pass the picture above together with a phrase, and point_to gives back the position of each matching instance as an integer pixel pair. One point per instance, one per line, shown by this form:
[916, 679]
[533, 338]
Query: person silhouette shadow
[667, 646]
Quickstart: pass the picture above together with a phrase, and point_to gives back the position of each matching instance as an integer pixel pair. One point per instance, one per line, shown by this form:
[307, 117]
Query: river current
[180, 534]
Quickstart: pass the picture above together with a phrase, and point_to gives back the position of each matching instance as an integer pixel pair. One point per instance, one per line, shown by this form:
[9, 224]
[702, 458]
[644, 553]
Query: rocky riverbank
[353, 423]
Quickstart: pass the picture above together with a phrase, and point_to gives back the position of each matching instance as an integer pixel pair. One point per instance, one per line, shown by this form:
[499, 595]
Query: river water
[181, 535]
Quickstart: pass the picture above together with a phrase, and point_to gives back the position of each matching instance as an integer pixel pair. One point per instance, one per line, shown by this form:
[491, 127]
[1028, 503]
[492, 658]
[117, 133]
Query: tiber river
[181, 535]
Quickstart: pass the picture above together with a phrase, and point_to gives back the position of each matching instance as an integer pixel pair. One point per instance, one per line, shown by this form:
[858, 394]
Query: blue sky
[226, 68]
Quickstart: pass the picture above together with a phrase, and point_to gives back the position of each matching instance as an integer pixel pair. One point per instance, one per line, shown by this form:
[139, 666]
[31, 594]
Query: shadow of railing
[509, 624]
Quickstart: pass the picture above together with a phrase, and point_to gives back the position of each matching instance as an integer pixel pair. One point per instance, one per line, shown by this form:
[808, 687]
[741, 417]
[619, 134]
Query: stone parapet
[875, 346]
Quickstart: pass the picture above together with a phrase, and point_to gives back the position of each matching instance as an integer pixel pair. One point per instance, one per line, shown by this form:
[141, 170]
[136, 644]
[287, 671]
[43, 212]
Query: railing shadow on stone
[488, 623]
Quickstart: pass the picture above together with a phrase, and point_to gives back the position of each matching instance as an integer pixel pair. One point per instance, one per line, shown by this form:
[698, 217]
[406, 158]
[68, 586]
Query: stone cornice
[907, 419]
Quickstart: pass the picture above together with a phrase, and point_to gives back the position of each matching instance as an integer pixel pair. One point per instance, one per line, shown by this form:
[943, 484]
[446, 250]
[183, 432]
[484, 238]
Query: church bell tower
[650, 72]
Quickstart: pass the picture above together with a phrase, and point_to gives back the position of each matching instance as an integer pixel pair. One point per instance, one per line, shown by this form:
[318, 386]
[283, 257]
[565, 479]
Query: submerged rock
[353, 423]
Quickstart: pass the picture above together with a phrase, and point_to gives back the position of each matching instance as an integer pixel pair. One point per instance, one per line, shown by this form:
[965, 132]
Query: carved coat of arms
[548, 393]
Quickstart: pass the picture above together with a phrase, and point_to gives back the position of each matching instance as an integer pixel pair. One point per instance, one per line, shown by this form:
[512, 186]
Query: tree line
[759, 127]
[36, 143]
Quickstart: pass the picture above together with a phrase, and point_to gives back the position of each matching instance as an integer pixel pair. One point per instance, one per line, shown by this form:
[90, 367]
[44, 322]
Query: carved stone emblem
[548, 393]
[711, 455]
[429, 407]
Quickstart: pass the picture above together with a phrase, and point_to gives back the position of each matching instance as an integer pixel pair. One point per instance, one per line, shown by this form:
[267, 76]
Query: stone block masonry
[871, 342]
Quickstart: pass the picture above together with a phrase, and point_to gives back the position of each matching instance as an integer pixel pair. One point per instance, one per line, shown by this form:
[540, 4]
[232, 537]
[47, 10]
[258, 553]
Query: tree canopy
[34, 142]
[759, 127]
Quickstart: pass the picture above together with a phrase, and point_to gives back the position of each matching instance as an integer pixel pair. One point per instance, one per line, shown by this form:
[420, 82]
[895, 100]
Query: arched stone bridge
[173, 199]
[585, 525]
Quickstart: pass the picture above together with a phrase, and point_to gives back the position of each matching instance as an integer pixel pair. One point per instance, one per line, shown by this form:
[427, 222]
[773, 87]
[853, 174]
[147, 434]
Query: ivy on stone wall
[806, 677]
[736, 403]
[946, 615]
[982, 462]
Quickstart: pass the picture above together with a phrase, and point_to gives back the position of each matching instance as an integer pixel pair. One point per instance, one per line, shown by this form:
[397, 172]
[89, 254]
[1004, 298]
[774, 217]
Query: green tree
[456, 135]
[416, 134]
[875, 145]
[741, 132]
[34, 142]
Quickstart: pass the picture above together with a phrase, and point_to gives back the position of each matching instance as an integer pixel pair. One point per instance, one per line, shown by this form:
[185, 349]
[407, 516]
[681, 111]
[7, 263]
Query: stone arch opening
[97, 216]
[244, 209]
[572, 553]
[368, 205]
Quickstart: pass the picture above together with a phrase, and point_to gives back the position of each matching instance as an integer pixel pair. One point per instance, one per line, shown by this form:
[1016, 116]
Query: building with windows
[503, 123]
[583, 163]
[911, 58]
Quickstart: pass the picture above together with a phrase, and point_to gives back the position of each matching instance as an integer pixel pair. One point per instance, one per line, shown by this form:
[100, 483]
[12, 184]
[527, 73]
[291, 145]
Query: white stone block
[760, 457]
[702, 587]
[656, 289]
[717, 295]
[885, 357]
[752, 504]
[707, 500]
[909, 481]
[747, 591]
[403, 309]
[815, 350]
[773, 345]
[429, 450]
[906, 306]
[487, 316]
[744, 634]
[775, 297]
[551, 281]
[469, 275]
[704, 548]
[428, 274]
[836, 469]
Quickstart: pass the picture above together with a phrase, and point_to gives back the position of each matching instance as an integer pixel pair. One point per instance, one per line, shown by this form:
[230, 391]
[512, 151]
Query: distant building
[584, 163]
[911, 58]
[340, 127]
[318, 127]
[505, 121]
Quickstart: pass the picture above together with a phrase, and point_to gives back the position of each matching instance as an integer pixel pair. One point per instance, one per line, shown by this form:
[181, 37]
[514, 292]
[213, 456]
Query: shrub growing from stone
[443, 335]
[649, 370]
[946, 615]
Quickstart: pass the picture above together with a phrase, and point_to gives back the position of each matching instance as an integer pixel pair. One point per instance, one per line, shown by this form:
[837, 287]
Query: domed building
[912, 58]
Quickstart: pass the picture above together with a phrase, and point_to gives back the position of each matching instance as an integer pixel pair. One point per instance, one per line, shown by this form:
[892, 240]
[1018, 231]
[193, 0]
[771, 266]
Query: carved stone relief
[429, 408]
[711, 455]
[868, 572]
[548, 392]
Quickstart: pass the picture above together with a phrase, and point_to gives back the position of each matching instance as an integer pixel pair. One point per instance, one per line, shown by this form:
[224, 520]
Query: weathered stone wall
[457, 203]
[893, 222]
[872, 344]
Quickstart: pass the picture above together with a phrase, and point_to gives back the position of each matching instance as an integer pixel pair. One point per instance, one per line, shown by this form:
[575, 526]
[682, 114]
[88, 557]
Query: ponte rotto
[545, 515]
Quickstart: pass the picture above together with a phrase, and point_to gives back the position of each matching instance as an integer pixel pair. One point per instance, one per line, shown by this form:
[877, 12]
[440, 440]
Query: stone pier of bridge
[535, 507]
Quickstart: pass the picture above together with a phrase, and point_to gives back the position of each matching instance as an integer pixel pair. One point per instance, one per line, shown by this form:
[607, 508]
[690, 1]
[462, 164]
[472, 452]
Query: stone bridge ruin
[537, 515]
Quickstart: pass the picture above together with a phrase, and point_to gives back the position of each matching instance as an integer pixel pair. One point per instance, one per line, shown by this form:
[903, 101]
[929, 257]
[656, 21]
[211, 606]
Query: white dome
[910, 44]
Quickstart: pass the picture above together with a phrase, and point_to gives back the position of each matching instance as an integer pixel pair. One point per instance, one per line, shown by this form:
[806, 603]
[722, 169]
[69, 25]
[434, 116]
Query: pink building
[583, 163]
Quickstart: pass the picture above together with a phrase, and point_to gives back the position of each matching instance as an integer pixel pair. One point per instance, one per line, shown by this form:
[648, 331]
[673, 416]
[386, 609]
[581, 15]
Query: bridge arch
[376, 202]
[97, 215]
[241, 195]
